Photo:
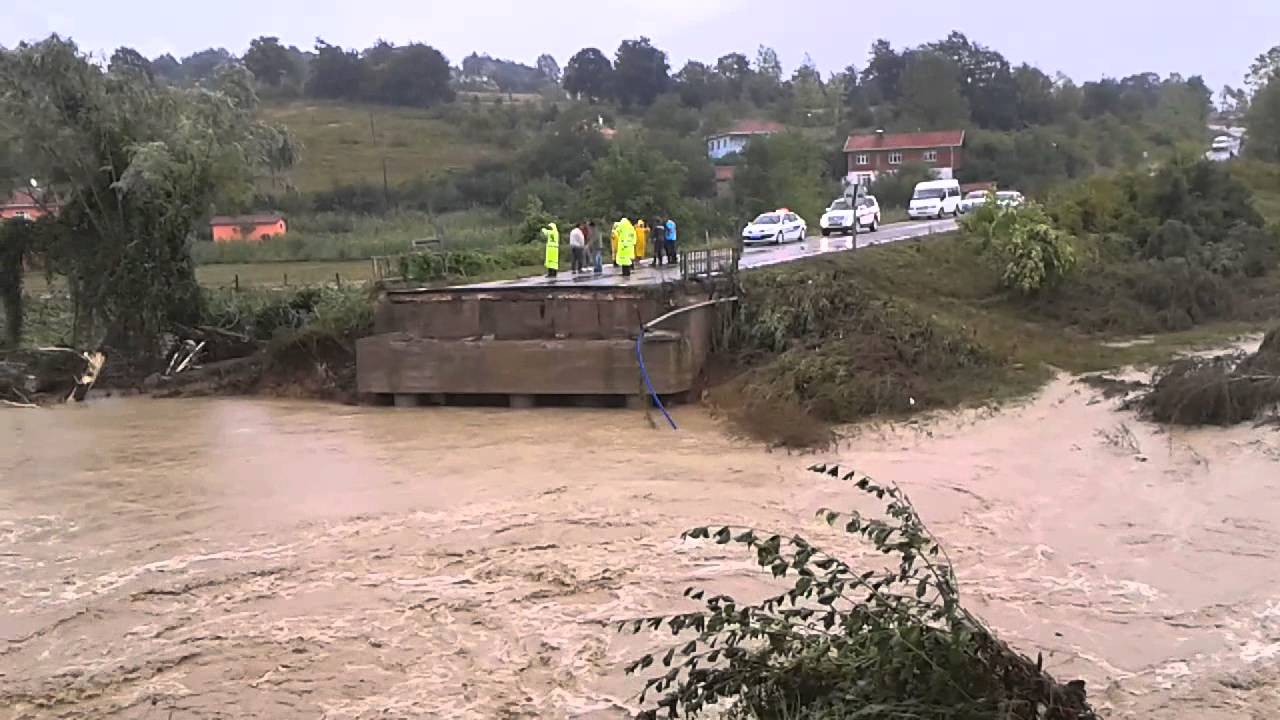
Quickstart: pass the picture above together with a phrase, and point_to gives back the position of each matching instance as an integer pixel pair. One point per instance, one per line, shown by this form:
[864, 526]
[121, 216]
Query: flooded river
[255, 558]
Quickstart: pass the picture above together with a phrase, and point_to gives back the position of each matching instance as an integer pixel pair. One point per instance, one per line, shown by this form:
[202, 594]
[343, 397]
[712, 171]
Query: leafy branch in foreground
[890, 641]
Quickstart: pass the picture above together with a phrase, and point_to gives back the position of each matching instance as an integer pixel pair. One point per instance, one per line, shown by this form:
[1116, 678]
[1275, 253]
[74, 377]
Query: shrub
[434, 266]
[1223, 390]
[1029, 253]
[881, 640]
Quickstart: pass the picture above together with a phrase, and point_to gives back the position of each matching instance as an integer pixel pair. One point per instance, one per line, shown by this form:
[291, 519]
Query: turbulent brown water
[249, 558]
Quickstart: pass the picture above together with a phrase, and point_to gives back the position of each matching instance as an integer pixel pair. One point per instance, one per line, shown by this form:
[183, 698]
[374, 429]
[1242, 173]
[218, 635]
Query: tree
[1265, 67]
[698, 85]
[735, 68]
[806, 83]
[1232, 100]
[127, 60]
[640, 72]
[269, 61]
[589, 75]
[138, 166]
[1263, 120]
[783, 170]
[202, 66]
[549, 68]
[633, 180]
[415, 75]
[985, 80]
[335, 73]
[167, 68]
[1035, 100]
[566, 149]
[883, 74]
[931, 92]
[767, 63]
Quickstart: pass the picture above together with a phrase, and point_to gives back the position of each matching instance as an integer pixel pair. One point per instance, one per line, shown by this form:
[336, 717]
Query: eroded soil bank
[263, 558]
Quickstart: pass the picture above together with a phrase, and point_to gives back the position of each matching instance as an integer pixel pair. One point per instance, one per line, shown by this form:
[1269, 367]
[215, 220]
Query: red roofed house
[879, 152]
[735, 139]
[253, 228]
[23, 204]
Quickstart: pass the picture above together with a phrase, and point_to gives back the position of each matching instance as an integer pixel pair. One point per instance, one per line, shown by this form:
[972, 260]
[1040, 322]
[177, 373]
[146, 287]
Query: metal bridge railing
[703, 262]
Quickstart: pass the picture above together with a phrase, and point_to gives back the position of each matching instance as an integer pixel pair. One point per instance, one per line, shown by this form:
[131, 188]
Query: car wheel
[825, 232]
[875, 223]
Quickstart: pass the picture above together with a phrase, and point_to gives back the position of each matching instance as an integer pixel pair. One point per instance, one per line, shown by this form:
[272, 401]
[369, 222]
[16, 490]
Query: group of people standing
[628, 243]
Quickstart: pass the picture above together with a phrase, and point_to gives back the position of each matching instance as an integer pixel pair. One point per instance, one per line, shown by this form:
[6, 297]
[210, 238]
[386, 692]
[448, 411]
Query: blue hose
[644, 373]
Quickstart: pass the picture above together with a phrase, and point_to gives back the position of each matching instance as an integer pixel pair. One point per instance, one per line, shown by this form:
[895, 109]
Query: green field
[224, 275]
[345, 143]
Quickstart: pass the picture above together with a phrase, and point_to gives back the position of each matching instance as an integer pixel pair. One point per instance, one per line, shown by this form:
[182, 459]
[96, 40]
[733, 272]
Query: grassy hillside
[1264, 180]
[341, 146]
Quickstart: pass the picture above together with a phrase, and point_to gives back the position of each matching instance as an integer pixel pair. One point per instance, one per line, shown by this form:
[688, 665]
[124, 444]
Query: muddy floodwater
[265, 559]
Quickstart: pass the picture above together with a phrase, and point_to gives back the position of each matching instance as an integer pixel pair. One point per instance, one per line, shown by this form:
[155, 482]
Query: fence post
[237, 282]
[286, 279]
[337, 278]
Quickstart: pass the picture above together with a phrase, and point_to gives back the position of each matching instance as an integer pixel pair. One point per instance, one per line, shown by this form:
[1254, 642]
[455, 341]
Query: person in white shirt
[578, 248]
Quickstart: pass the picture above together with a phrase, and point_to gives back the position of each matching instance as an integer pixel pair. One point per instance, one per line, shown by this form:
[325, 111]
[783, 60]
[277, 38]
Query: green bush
[1027, 250]
[881, 641]
[435, 266]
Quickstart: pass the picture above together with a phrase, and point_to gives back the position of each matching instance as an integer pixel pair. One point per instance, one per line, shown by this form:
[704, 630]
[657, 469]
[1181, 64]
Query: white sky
[1084, 38]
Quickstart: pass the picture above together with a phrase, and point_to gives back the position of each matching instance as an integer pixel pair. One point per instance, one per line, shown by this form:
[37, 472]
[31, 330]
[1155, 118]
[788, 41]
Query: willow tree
[136, 165]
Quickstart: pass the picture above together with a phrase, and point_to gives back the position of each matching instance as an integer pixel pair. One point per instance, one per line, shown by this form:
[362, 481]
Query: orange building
[251, 228]
[23, 204]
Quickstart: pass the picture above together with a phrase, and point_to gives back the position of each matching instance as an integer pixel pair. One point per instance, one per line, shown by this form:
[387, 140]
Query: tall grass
[347, 236]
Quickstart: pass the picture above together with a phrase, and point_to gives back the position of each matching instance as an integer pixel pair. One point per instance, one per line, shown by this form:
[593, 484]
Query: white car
[973, 201]
[1010, 198]
[935, 199]
[775, 227]
[839, 218]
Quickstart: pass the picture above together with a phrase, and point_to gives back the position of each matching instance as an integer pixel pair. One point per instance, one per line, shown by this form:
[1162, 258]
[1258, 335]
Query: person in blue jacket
[669, 241]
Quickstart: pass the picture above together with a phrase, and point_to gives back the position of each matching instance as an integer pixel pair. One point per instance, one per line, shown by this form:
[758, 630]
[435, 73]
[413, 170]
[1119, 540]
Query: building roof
[258, 219]
[904, 141]
[752, 127]
[21, 198]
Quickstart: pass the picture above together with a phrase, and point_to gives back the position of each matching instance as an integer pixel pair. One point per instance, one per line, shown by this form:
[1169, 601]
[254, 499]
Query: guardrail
[703, 262]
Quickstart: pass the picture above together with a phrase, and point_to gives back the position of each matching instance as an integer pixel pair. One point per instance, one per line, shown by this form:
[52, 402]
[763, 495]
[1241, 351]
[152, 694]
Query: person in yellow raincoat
[613, 243]
[626, 234]
[642, 239]
[551, 236]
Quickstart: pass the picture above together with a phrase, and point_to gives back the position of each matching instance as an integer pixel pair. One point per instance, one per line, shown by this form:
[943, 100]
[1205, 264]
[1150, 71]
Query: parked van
[935, 199]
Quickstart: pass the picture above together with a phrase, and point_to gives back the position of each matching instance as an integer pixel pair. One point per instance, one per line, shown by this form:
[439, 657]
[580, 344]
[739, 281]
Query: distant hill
[339, 146]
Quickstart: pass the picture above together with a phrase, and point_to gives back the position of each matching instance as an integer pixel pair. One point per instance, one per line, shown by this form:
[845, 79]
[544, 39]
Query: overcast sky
[1083, 38]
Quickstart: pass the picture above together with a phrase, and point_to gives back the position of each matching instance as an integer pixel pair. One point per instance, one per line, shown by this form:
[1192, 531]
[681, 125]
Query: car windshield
[767, 219]
[867, 202]
[976, 195]
[1008, 195]
[929, 194]
[840, 204]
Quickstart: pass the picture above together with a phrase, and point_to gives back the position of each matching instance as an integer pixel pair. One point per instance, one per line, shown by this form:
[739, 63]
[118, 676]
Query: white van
[935, 199]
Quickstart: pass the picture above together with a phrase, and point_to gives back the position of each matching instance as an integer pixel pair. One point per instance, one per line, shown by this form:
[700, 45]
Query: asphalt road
[752, 257]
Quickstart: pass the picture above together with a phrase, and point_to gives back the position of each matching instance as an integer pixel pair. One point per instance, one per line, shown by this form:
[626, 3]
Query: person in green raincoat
[626, 245]
[551, 236]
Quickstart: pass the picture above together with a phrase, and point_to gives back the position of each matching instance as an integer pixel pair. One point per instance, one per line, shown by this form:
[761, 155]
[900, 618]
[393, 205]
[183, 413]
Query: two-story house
[735, 139]
[880, 152]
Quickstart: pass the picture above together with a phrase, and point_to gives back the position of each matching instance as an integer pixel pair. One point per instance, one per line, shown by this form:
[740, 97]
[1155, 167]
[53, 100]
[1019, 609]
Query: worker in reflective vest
[626, 245]
[551, 236]
[642, 239]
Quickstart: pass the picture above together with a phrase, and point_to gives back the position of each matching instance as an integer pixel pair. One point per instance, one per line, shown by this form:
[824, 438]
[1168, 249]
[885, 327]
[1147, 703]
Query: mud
[243, 558]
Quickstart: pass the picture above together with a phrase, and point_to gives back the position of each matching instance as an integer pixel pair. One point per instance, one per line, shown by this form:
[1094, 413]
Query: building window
[931, 156]
[861, 159]
[895, 158]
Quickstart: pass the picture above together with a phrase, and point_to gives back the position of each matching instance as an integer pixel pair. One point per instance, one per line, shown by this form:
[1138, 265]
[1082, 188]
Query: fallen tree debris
[1222, 390]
